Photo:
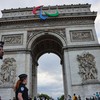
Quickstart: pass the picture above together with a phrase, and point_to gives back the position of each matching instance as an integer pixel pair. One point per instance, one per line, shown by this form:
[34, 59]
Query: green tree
[44, 96]
[62, 97]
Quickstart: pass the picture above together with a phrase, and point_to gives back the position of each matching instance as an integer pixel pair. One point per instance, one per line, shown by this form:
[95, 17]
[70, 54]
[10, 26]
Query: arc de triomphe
[71, 35]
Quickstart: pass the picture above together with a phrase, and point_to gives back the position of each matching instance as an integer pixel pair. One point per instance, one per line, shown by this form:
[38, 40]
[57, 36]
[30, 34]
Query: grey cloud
[54, 69]
[50, 62]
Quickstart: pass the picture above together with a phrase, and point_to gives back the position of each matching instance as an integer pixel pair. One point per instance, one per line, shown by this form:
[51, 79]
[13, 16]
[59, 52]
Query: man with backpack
[74, 97]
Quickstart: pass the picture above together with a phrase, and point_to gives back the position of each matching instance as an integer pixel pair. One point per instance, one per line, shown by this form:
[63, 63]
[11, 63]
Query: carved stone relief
[81, 35]
[13, 39]
[60, 32]
[61, 22]
[8, 72]
[87, 66]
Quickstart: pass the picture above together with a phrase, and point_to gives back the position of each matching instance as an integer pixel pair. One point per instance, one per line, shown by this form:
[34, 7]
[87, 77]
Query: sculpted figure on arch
[87, 66]
[8, 72]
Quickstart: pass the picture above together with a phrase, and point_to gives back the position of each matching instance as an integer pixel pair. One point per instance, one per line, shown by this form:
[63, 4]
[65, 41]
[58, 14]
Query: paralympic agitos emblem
[43, 17]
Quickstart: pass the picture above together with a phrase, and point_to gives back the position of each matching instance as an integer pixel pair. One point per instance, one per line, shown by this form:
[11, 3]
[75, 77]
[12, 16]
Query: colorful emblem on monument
[47, 14]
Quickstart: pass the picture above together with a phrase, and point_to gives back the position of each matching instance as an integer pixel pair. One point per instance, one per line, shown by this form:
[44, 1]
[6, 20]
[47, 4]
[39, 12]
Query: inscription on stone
[13, 39]
[81, 35]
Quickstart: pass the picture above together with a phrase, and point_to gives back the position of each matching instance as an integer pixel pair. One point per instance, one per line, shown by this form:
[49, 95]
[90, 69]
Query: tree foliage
[62, 97]
[44, 96]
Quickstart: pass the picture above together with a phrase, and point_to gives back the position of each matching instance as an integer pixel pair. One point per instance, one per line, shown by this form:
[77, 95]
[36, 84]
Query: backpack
[75, 97]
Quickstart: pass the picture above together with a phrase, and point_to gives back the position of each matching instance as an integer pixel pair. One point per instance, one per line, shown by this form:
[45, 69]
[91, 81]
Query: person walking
[74, 97]
[79, 98]
[21, 90]
[69, 97]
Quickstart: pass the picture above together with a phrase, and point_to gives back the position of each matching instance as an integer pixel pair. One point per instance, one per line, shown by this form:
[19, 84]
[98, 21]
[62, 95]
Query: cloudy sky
[50, 73]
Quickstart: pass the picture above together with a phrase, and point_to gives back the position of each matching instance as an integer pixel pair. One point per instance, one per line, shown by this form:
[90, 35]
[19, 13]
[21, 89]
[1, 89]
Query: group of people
[74, 97]
[94, 97]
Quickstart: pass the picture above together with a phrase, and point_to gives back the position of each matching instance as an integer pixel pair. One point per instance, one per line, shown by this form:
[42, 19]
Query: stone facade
[71, 36]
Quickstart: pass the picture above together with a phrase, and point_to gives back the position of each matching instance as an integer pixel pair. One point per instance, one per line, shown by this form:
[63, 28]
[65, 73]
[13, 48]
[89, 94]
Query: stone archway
[71, 35]
[46, 43]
